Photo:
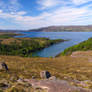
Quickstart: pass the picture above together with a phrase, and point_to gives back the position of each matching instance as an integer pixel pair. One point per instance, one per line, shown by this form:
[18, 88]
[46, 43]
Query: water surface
[52, 51]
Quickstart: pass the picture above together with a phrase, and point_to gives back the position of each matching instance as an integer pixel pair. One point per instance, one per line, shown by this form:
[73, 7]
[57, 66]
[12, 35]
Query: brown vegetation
[67, 68]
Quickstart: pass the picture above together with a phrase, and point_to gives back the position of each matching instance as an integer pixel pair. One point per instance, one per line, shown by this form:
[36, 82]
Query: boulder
[55, 86]
[52, 78]
[5, 66]
[4, 84]
[45, 75]
[33, 77]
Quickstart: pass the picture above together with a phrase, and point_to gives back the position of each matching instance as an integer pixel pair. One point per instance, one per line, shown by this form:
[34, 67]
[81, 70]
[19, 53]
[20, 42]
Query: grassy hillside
[64, 29]
[76, 70]
[65, 68]
[83, 46]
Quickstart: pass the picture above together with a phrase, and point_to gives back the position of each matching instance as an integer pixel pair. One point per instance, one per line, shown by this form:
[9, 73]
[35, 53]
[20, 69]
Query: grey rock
[52, 78]
[4, 84]
[20, 80]
[33, 77]
[3, 66]
[45, 75]
[55, 86]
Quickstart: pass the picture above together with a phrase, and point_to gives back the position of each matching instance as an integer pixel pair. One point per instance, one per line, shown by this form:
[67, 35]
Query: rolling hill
[64, 29]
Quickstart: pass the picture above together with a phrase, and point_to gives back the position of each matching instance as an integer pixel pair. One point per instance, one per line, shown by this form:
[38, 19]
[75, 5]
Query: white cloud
[79, 2]
[49, 4]
[1, 11]
[13, 5]
[10, 5]
[21, 13]
[45, 4]
[62, 16]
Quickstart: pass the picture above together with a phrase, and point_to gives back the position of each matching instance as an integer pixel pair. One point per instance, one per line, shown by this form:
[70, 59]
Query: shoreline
[24, 46]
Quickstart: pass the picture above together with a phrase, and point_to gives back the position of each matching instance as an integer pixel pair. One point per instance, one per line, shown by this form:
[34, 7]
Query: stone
[33, 77]
[45, 75]
[20, 80]
[55, 86]
[52, 78]
[4, 84]
[14, 78]
[3, 66]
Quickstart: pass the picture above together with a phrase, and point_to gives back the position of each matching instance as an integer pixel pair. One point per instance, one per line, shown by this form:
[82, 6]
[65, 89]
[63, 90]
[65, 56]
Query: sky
[32, 14]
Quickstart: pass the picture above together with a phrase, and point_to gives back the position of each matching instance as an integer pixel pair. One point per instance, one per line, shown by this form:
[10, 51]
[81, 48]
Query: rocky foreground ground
[68, 74]
[55, 86]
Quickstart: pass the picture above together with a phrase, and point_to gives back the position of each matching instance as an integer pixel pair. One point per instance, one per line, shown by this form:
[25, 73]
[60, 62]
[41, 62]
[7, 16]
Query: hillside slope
[83, 46]
[76, 70]
[64, 29]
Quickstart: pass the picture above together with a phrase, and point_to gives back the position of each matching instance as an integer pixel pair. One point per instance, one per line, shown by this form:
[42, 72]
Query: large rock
[45, 75]
[4, 84]
[52, 78]
[3, 66]
[55, 86]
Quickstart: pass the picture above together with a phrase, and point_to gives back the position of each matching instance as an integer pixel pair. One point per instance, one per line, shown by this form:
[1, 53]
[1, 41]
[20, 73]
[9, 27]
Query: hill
[83, 46]
[71, 72]
[77, 71]
[64, 29]
[86, 28]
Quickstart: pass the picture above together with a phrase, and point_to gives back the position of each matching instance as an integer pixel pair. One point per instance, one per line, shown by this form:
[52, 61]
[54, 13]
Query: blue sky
[30, 14]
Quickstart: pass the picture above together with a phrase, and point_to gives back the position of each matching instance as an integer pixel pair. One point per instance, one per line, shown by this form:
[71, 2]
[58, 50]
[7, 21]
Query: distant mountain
[64, 29]
[56, 29]
[2, 30]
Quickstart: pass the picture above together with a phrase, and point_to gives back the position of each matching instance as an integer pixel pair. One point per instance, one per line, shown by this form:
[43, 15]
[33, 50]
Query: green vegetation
[74, 70]
[7, 35]
[24, 46]
[83, 46]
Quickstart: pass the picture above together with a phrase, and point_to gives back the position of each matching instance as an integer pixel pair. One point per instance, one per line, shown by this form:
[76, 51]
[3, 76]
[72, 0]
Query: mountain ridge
[70, 28]
[87, 28]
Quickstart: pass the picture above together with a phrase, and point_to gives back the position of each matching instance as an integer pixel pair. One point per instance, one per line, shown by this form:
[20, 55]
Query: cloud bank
[53, 12]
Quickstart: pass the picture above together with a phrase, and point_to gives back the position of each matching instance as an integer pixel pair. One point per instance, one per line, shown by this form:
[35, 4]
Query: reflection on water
[52, 51]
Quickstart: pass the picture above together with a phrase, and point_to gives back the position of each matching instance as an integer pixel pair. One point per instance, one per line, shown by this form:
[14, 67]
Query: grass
[83, 46]
[24, 47]
[65, 68]
[7, 35]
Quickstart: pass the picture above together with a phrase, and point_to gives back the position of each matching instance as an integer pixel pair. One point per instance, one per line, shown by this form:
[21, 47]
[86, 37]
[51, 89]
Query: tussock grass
[75, 68]
[65, 68]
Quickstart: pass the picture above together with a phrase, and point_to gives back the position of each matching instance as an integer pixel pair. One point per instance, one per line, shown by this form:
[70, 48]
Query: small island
[9, 45]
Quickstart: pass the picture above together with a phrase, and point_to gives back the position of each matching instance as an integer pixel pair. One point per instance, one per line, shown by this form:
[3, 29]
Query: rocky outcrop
[55, 86]
[52, 84]
[3, 66]
[45, 74]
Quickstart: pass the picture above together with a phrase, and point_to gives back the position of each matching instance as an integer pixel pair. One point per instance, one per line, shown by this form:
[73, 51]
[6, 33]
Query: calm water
[52, 51]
